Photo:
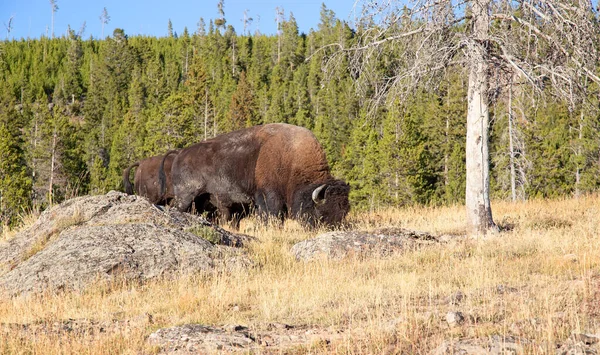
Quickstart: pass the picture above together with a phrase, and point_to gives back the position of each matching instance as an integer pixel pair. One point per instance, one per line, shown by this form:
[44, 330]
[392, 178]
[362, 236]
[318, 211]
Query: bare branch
[388, 39]
[551, 40]
[9, 26]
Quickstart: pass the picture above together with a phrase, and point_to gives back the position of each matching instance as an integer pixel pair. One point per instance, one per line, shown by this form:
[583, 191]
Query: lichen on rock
[95, 238]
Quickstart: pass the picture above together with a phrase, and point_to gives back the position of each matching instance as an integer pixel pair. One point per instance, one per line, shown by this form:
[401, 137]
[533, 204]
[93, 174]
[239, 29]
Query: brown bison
[279, 168]
[146, 181]
[149, 184]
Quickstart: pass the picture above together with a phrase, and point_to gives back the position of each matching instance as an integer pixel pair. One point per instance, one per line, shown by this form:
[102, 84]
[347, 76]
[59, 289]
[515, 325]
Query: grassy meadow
[538, 279]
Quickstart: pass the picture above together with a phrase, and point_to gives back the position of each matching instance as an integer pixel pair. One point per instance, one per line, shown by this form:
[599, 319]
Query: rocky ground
[273, 338]
[95, 239]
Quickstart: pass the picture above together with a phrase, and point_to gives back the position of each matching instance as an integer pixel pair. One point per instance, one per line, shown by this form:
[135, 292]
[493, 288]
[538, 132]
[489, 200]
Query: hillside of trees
[75, 112]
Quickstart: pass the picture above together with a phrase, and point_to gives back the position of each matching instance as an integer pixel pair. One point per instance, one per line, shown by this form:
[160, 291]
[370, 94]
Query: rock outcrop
[380, 242]
[95, 238]
[273, 339]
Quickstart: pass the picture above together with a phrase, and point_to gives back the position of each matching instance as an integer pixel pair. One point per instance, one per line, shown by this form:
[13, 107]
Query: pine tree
[198, 97]
[169, 126]
[170, 29]
[155, 80]
[414, 174]
[289, 44]
[71, 89]
[118, 61]
[201, 31]
[36, 150]
[136, 115]
[122, 152]
[452, 110]
[243, 109]
[55, 155]
[361, 165]
[585, 142]
[15, 182]
[300, 99]
[98, 175]
[277, 97]
[393, 178]
[549, 151]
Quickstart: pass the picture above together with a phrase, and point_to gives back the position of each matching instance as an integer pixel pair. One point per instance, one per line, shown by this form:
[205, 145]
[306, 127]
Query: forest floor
[538, 281]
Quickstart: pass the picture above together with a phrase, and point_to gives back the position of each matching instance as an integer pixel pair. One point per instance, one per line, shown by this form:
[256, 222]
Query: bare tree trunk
[578, 154]
[214, 122]
[102, 130]
[278, 19]
[35, 141]
[523, 166]
[396, 186]
[187, 53]
[52, 164]
[447, 134]
[233, 57]
[479, 211]
[205, 113]
[397, 175]
[511, 147]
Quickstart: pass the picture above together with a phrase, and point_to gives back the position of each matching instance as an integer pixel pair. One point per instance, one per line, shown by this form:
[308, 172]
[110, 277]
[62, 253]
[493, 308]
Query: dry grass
[538, 279]
[26, 219]
[62, 224]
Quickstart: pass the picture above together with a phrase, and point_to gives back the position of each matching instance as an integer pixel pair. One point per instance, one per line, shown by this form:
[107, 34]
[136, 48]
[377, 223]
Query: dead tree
[544, 42]
[104, 19]
[9, 26]
[54, 7]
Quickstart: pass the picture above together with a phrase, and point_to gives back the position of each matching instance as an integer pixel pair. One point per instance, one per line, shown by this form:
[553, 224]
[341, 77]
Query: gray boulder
[380, 242]
[102, 238]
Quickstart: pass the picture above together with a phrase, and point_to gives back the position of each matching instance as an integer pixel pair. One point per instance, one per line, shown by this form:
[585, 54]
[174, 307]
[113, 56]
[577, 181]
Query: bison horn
[315, 195]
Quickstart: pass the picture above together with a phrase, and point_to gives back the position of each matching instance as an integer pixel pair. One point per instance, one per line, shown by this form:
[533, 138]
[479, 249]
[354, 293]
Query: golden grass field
[547, 257]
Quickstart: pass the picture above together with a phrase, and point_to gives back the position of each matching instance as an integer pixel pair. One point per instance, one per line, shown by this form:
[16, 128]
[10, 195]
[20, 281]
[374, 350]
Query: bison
[279, 168]
[146, 181]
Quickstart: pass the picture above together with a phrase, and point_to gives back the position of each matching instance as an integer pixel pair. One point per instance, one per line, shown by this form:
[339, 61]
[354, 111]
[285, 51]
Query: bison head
[322, 203]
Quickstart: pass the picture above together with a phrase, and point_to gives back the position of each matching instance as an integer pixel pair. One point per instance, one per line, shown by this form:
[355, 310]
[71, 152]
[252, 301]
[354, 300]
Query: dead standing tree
[545, 42]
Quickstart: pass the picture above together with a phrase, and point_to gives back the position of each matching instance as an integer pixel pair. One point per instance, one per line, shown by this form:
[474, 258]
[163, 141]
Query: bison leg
[270, 206]
[183, 202]
[230, 215]
[238, 211]
[226, 214]
[203, 206]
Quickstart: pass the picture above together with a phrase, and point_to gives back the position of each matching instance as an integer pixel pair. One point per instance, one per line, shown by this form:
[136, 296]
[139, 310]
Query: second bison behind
[279, 168]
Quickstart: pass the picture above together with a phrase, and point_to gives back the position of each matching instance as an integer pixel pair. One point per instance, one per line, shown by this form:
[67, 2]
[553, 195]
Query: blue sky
[150, 17]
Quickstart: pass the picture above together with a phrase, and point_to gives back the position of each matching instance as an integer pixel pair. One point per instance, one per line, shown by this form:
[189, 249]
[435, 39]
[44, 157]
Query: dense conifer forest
[75, 112]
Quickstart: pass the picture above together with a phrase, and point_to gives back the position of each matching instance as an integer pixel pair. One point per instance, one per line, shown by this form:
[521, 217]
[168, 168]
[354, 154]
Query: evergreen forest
[75, 112]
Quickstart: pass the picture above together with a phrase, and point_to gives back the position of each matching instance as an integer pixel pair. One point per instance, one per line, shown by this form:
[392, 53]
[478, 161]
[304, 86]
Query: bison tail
[126, 182]
[162, 177]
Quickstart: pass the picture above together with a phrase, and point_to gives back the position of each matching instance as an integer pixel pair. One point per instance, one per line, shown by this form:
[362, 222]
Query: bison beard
[279, 168]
